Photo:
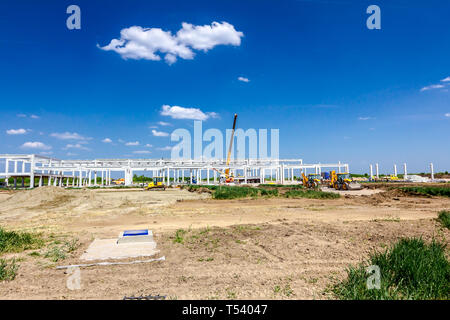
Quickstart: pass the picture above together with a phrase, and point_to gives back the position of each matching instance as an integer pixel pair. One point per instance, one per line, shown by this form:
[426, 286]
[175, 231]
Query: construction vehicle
[226, 177]
[119, 182]
[156, 183]
[343, 181]
[312, 180]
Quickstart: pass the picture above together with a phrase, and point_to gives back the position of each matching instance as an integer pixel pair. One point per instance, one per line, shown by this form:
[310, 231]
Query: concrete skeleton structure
[80, 173]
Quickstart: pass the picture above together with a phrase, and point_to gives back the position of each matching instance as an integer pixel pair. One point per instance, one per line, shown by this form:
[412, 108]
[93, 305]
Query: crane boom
[227, 171]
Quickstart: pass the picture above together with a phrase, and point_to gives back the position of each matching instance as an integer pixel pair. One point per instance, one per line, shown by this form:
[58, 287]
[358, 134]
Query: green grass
[179, 236]
[265, 190]
[8, 269]
[58, 251]
[294, 186]
[12, 241]
[311, 194]
[231, 192]
[432, 191]
[444, 218]
[410, 269]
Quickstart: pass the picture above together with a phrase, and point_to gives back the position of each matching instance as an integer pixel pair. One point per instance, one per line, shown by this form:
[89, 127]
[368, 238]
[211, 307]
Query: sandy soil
[229, 249]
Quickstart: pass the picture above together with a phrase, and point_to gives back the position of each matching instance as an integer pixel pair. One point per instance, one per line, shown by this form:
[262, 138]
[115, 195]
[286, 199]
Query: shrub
[411, 269]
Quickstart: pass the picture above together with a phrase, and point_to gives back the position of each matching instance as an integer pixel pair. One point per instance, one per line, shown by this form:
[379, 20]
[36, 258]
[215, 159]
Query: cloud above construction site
[154, 43]
[177, 112]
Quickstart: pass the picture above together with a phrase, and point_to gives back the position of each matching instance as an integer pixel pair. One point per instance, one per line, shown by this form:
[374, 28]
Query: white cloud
[33, 116]
[365, 118]
[75, 146]
[159, 133]
[71, 154]
[446, 79]
[162, 123]
[447, 115]
[148, 145]
[151, 43]
[107, 140]
[165, 148]
[177, 112]
[46, 153]
[141, 152]
[16, 131]
[69, 136]
[135, 143]
[35, 145]
[433, 86]
[243, 79]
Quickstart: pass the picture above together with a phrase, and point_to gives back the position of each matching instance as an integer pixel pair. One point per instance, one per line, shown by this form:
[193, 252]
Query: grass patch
[410, 269]
[311, 194]
[231, 192]
[444, 218]
[59, 251]
[431, 191]
[295, 186]
[8, 269]
[179, 236]
[12, 241]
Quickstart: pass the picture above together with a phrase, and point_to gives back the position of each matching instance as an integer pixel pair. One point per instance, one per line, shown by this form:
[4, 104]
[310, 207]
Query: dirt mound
[38, 196]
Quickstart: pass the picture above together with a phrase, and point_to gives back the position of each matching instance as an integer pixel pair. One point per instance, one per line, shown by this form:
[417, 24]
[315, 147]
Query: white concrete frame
[80, 172]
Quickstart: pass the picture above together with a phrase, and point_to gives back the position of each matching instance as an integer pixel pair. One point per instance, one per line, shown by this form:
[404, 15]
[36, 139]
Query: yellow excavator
[156, 183]
[343, 181]
[226, 177]
[312, 180]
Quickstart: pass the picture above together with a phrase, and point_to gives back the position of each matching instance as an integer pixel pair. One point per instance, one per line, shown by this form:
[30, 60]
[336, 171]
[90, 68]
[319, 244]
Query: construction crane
[226, 177]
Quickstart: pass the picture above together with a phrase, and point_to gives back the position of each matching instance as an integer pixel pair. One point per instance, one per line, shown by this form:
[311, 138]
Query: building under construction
[99, 172]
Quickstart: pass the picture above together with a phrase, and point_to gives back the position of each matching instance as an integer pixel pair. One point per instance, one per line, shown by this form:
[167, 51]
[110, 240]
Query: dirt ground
[268, 248]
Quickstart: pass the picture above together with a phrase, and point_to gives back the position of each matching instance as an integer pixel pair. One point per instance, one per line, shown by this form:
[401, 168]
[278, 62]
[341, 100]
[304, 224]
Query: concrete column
[32, 167]
[376, 170]
[49, 179]
[207, 175]
[23, 166]
[339, 168]
[432, 171]
[405, 175]
[90, 178]
[190, 172]
[15, 166]
[95, 178]
[103, 171]
[80, 178]
[371, 171]
[395, 170]
[73, 178]
[245, 175]
[6, 172]
[56, 179]
[263, 172]
[215, 176]
[40, 181]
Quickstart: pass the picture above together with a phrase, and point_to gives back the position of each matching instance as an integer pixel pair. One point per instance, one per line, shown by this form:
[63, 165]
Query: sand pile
[38, 196]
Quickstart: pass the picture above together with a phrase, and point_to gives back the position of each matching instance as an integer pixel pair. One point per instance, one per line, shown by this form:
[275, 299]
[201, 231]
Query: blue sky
[334, 88]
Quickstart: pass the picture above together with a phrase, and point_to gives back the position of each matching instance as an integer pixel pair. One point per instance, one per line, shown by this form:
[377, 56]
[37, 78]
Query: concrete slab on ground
[103, 249]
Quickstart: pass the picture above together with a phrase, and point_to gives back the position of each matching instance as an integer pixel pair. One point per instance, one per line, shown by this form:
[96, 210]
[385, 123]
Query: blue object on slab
[128, 233]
